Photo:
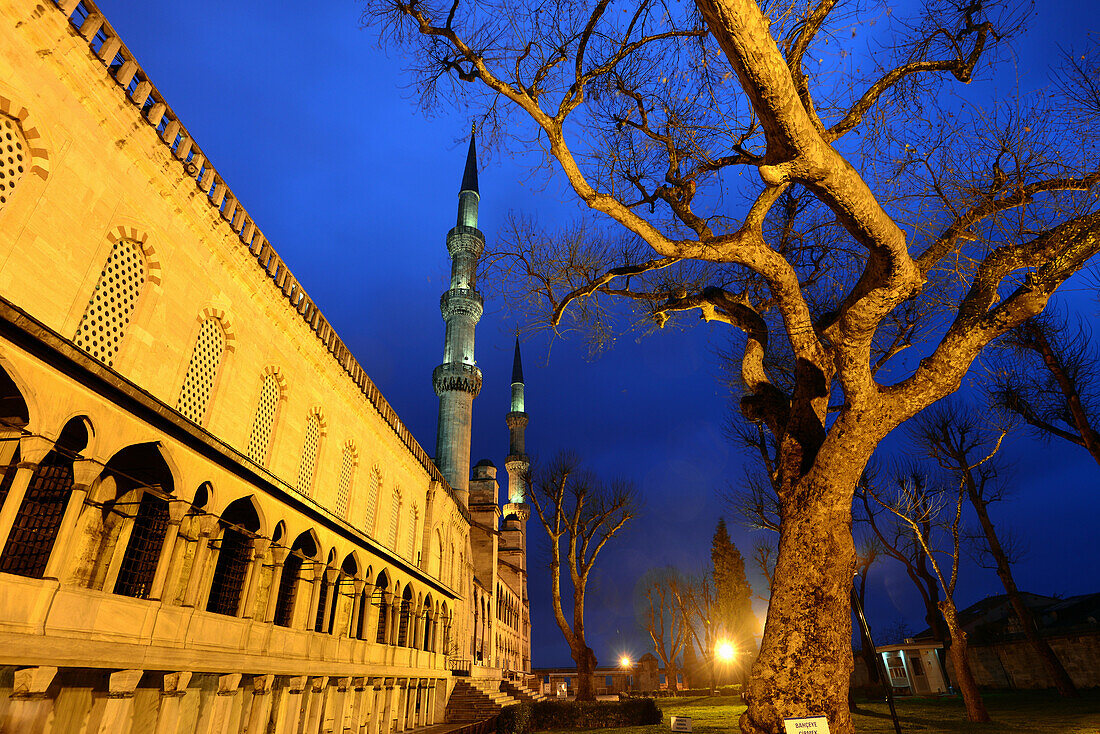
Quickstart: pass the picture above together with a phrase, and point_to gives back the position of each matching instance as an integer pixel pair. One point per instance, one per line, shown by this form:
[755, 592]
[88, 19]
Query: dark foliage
[544, 715]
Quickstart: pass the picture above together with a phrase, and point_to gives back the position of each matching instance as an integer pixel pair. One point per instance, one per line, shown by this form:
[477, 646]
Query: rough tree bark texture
[964, 678]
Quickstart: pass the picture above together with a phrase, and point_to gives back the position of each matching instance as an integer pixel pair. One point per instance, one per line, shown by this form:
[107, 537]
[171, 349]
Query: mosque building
[211, 520]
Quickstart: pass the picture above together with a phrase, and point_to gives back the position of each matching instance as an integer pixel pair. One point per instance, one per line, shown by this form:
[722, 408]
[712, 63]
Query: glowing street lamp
[724, 651]
[625, 661]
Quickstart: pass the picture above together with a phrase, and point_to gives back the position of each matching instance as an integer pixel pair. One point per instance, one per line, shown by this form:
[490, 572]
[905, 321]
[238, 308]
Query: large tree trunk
[1051, 662]
[586, 667]
[964, 677]
[805, 660]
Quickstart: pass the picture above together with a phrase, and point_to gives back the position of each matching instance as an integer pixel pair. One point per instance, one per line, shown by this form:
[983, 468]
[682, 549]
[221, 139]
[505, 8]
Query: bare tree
[581, 513]
[954, 437]
[869, 552]
[932, 513]
[864, 195]
[663, 615]
[1053, 383]
[700, 606]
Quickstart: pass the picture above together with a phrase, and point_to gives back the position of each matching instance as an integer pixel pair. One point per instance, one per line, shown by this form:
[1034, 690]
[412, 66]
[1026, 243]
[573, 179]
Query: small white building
[914, 667]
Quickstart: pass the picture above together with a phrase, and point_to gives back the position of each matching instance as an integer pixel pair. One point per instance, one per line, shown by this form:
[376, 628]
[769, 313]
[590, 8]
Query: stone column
[314, 597]
[32, 449]
[30, 707]
[353, 616]
[332, 592]
[172, 692]
[429, 703]
[208, 527]
[278, 558]
[118, 716]
[261, 704]
[290, 706]
[252, 579]
[318, 688]
[221, 719]
[339, 704]
[85, 472]
[389, 703]
[357, 700]
[176, 511]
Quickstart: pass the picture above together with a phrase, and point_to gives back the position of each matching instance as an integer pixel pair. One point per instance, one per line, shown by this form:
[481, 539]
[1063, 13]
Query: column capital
[297, 684]
[123, 683]
[261, 684]
[85, 471]
[175, 684]
[228, 684]
[33, 682]
[33, 449]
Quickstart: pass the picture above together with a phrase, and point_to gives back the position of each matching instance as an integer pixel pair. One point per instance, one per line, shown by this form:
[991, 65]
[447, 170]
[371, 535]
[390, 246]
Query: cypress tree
[734, 616]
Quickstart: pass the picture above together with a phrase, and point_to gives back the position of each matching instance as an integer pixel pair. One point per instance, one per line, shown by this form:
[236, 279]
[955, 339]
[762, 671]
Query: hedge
[542, 715]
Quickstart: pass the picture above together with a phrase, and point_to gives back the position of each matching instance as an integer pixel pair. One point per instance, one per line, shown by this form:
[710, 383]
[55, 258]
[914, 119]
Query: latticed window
[39, 517]
[395, 516]
[412, 534]
[379, 600]
[309, 454]
[113, 300]
[13, 152]
[229, 573]
[288, 589]
[373, 489]
[201, 371]
[343, 489]
[264, 421]
[139, 563]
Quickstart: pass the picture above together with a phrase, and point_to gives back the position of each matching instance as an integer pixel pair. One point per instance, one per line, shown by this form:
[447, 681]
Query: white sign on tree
[806, 725]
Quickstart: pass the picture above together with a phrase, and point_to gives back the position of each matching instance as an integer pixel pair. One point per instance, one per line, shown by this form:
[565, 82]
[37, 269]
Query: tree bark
[1050, 661]
[805, 660]
[585, 659]
[964, 677]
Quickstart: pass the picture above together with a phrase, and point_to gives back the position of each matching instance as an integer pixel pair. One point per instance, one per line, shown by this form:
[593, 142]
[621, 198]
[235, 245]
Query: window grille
[288, 590]
[229, 573]
[395, 513]
[112, 303]
[333, 603]
[139, 563]
[13, 151]
[264, 421]
[403, 623]
[201, 371]
[372, 500]
[361, 622]
[9, 477]
[36, 524]
[309, 454]
[326, 591]
[343, 489]
[412, 533]
[379, 600]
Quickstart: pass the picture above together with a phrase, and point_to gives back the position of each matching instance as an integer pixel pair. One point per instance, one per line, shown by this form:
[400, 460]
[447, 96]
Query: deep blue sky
[317, 132]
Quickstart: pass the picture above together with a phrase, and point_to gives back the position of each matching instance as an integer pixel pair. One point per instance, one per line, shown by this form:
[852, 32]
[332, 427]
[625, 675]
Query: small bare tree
[932, 513]
[581, 513]
[954, 437]
[661, 610]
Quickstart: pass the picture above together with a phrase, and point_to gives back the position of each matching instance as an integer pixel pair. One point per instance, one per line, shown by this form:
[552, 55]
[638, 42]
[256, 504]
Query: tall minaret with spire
[513, 534]
[458, 380]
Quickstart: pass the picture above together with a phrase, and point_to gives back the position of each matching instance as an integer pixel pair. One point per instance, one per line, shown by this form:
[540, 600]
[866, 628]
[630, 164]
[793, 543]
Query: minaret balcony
[463, 238]
[455, 376]
[462, 302]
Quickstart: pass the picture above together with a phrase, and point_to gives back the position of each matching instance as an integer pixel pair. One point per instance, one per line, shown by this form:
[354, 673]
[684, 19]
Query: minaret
[517, 463]
[458, 380]
[513, 534]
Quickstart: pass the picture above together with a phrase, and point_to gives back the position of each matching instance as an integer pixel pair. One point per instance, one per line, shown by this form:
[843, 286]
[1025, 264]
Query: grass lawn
[1012, 711]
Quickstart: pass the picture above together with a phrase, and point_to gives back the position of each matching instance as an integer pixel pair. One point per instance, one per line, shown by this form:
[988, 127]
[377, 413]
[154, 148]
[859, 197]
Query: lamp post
[878, 660]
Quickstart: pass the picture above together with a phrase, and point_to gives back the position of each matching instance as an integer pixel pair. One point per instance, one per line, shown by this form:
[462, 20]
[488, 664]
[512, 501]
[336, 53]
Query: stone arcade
[203, 529]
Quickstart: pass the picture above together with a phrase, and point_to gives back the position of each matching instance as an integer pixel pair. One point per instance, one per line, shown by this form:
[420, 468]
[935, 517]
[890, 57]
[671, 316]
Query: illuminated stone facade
[210, 518]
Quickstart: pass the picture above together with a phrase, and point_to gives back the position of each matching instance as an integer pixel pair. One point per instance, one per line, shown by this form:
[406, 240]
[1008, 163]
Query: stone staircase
[519, 691]
[476, 699]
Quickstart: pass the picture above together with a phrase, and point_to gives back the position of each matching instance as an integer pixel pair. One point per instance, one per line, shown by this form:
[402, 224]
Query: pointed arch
[198, 384]
[38, 157]
[374, 488]
[311, 446]
[349, 460]
[272, 396]
[115, 296]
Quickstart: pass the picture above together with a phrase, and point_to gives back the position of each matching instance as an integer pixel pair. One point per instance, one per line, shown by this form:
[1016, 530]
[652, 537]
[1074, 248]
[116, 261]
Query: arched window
[412, 533]
[141, 474]
[347, 471]
[13, 157]
[373, 488]
[38, 518]
[379, 600]
[451, 566]
[309, 454]
[395, 517]
[303, 548]
[201, 371]
[262, 424]
[239, 523]
[404, 638]
[112, 303]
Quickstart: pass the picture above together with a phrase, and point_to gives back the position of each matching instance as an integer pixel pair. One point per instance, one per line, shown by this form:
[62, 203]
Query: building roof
[469, 176]
[517, 365]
